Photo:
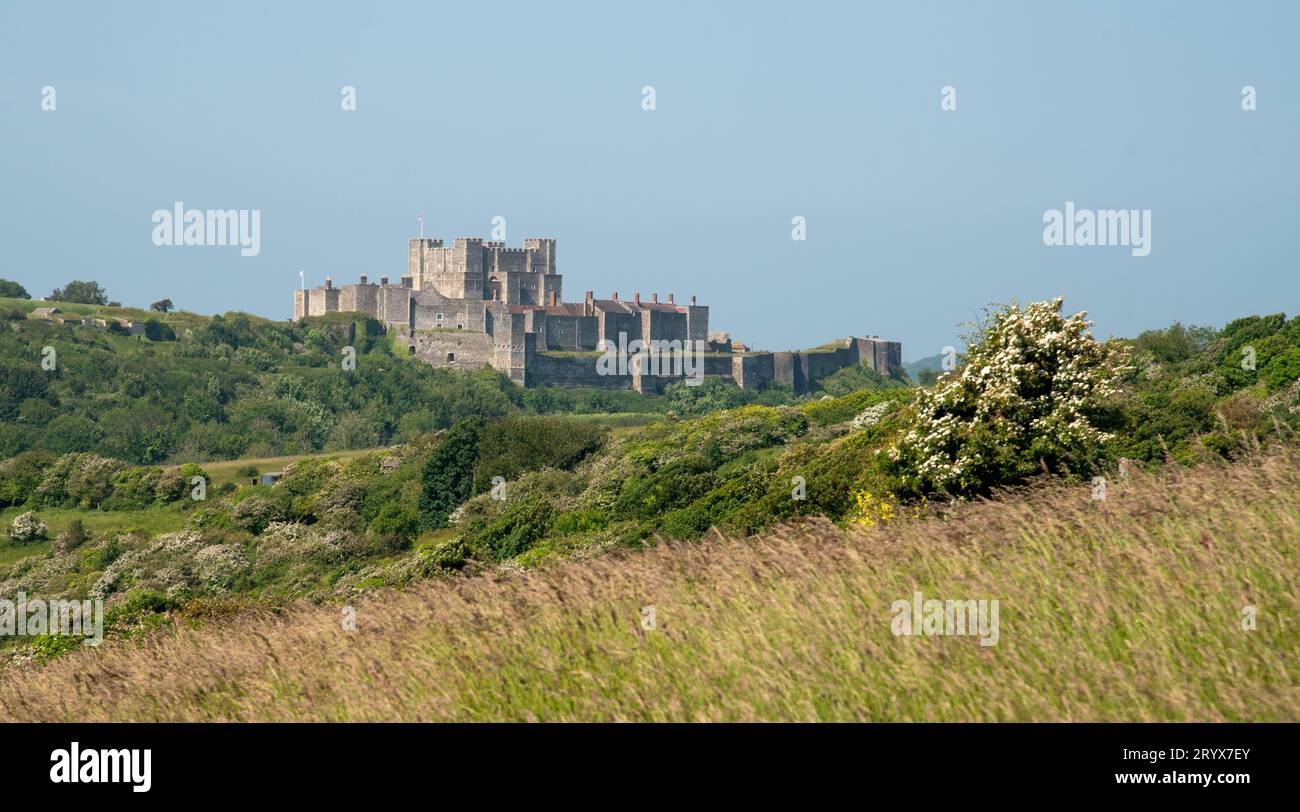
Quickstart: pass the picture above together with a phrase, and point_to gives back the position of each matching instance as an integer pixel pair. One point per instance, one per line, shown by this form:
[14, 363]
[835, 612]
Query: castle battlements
[478, 302]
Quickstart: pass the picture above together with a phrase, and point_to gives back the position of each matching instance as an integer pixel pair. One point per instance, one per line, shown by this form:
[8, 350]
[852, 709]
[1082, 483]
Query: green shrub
[255, 512]
[858, 377]
[145, 601]
[134, 488]
[46, 647]
[580, 521]
[517, 529]
[710, 395]
[20, 476]
[72, 537]
[447, 555]
[510, 446]
[675, 485]
[1282, 369]
[448, 476]
[397, 522]
[107, 554]
[845, 408]
[155, 330]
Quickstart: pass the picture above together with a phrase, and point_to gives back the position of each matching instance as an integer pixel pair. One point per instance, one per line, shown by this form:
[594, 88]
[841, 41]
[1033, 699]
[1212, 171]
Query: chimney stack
[670, 299]
[329, 283]
[692, 301]
[383, 280]
[614, 296]
[363, 279]
[654, 297]
[636, 297]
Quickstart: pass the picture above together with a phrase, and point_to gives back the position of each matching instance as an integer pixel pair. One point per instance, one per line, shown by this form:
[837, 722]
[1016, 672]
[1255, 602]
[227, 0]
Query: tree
[155, 330]
[1031, 394]
[13, 290]
[162, 306]
[448, 476]
[81, 293]
[71, 432]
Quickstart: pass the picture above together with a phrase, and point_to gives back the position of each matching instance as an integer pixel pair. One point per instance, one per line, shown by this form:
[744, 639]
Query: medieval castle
[478, 302]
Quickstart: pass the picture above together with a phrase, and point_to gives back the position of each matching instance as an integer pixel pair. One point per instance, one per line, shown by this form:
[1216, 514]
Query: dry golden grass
[1127, 609]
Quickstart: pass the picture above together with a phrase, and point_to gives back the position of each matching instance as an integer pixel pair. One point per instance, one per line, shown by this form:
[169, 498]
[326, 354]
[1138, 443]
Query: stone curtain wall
[457, 349]
[440, 308]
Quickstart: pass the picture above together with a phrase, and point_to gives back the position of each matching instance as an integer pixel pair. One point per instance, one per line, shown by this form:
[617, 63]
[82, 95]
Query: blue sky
[916, 217]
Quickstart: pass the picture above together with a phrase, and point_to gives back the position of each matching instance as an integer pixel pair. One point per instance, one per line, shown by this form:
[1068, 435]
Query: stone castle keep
[477, 302]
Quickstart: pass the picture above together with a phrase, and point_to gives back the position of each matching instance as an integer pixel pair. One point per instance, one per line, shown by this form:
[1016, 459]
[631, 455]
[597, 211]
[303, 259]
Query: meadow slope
[1129, 608]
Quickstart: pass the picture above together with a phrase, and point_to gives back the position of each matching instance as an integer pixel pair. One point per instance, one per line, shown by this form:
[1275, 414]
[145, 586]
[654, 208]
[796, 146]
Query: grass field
[151, 521]
[620, 424]
[1129, 608]
[222, 472]
[179, 320]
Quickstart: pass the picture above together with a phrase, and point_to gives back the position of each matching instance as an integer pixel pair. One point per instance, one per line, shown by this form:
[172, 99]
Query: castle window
[451, 356]
[411, 350]
[438, 318]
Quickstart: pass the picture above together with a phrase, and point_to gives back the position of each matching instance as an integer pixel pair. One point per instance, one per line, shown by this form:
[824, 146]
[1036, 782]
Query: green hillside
[1131, 609]
[233, 386]
[503, 488]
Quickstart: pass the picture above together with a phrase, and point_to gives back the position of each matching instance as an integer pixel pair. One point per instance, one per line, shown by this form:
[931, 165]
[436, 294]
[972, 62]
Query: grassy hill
[932, 363]
[234, 386]
[509, 497]
[1128, 608]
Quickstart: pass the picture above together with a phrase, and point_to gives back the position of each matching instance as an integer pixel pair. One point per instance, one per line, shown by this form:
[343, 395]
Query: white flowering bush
[181, 542]
[290, 542]
[871, 415]
[26, 527]
[256, 512]
[1029, 395]
[217, 565]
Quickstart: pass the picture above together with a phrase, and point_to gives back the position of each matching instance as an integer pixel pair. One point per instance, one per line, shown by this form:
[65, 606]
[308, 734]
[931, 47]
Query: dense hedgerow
[1196, 394]
[42, 479]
